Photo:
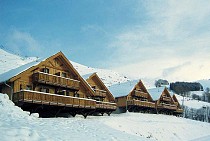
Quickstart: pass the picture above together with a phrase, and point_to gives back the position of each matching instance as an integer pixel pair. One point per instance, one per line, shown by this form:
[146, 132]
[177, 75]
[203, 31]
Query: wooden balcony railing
[100, 93]
[166, 98]
[53, 99]
[106, 105]
[167, 106]
[140, 94]
[141, 103]
[56, 80]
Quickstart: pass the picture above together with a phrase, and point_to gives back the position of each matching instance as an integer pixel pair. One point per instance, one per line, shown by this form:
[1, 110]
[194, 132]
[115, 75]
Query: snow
[191, 103]
[13, 72]
[109, 77]
[205, 83]
[199, 93]
[17, 125]
[10, 61]
[122, 89]
[156, 92]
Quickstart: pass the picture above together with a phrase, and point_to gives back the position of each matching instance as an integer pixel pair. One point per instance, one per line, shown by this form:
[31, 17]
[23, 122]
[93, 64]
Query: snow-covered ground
[17, 125]
[191, 103]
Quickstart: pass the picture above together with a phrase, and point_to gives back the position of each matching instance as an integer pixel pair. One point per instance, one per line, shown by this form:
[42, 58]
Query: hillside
[16, 124]
[10, 61]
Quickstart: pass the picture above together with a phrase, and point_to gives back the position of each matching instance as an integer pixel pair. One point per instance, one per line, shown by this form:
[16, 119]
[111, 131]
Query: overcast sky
[141, 39]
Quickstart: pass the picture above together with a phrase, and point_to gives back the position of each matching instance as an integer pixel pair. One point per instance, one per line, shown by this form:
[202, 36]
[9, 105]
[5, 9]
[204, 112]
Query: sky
[141, 39]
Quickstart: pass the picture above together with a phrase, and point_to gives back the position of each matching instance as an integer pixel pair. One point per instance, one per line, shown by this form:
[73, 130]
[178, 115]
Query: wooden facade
[51, 86]
[138, 99]
[166, 104]
[179, 110]
[102, 95]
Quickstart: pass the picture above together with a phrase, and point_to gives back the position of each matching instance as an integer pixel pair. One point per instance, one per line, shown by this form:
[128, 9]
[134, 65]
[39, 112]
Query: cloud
[22, 43]
[25, 44]
[174, 40]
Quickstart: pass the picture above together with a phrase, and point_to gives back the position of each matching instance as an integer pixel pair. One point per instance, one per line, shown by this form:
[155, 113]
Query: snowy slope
[109, 77]
[17, 125]
[9, 61]
[191, 103]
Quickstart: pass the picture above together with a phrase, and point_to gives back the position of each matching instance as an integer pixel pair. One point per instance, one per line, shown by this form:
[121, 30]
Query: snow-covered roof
[123, 89]
[11, 73]
[156, 92]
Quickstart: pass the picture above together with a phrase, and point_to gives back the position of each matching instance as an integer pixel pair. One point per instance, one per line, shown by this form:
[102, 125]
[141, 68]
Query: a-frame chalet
[49, 86]
[105, 102]
[132, 96]
[163, 100]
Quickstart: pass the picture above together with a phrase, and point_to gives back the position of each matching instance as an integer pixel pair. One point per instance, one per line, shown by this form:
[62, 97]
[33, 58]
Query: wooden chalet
[49, 87]
[179, 110]
[132, 96]
[105, 102]
[164, 103]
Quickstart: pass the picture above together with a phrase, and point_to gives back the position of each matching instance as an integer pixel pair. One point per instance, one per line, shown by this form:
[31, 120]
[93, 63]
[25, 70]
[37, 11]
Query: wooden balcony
[140, 94]
[106, 105]
[55, 80]
[53, 99]
[141, 103]
[168, 99]
[100, 93]
[167, 106]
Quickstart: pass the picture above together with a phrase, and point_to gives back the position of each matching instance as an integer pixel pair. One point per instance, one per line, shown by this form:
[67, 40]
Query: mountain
[10, 61]
[109, 77]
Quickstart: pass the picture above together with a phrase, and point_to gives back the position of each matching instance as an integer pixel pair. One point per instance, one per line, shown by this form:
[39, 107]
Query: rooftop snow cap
[13, 72]
[156, 92]
[123, 89]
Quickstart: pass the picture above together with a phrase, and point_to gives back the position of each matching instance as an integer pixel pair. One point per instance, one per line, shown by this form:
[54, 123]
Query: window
[76, 95]
[63, 74]
[45, 90]
[94, 87]
[28, 87]
[58, 73]
[45, 70]
[21, 87]
[62, 92]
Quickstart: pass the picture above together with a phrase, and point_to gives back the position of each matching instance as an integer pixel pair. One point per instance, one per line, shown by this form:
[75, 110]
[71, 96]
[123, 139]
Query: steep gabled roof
[89, 76]
[123, 89]
[156, 92]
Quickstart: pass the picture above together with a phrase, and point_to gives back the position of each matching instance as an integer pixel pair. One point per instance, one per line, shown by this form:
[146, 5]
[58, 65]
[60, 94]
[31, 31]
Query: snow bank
[17, 125]
[14, 123]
